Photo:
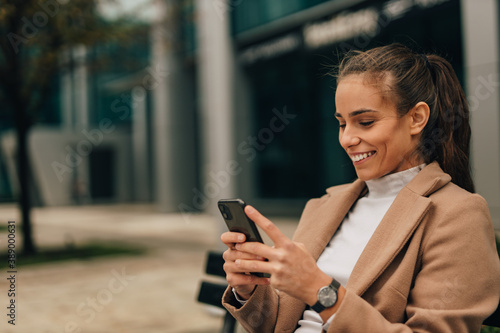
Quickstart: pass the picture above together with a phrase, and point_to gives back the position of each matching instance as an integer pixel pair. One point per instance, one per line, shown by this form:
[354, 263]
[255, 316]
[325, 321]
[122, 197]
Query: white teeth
[357, 158]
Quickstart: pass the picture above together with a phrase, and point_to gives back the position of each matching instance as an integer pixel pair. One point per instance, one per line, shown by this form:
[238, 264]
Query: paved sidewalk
[155, 292]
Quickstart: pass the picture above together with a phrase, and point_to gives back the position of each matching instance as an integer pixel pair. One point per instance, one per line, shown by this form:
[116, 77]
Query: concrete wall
[60, 159]
[173, 105]
[481, 51]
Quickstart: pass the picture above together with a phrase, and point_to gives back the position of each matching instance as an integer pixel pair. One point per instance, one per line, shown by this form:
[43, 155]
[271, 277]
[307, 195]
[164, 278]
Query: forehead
[359, 92]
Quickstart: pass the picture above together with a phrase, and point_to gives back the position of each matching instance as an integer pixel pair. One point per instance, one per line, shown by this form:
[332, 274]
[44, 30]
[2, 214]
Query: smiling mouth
[360, 157]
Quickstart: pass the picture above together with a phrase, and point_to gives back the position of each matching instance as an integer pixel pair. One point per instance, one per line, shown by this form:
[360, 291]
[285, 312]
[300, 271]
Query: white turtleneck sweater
[345, 247]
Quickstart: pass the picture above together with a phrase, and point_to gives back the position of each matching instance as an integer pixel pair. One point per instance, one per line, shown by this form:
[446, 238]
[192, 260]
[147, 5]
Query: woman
[406, 247]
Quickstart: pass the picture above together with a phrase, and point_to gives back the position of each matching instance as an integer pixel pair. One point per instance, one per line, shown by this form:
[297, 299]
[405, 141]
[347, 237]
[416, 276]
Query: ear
[419, 115]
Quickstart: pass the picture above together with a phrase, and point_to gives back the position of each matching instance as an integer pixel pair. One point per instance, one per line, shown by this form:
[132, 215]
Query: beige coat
[430, 266]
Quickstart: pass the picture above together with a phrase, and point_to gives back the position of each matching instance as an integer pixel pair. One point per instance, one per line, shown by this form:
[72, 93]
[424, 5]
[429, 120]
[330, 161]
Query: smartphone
[233, 212]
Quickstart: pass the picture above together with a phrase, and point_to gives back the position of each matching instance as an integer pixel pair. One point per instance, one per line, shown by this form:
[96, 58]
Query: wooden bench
[211, 292]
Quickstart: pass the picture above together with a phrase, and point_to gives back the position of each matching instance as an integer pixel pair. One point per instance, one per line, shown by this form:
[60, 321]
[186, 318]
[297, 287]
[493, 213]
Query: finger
[232, 255]
[256, 249]
[253, 266]
[230, 238]
[233, 237]
[267, 226]
[230, 267]
[237, 280]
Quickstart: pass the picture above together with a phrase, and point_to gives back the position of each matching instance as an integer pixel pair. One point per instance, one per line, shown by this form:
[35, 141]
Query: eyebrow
[355, 113]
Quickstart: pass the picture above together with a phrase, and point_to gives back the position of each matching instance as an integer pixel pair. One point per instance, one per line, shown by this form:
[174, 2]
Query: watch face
[327, 297]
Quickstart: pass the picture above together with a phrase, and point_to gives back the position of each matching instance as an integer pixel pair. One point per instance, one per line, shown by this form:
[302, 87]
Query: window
[250, 14]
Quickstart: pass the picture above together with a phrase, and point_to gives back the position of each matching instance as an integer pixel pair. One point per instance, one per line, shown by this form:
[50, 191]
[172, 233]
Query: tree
[33, 34]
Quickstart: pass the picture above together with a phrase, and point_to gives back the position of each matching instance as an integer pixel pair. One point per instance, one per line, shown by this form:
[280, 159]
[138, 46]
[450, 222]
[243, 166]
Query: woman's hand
[238, 278]
[293, 270]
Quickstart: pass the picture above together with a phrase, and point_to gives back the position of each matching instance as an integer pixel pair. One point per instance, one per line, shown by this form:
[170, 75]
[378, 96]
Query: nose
[348, 137]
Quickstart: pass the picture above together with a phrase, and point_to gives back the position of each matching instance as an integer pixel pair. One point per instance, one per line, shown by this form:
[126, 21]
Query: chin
[364, 175]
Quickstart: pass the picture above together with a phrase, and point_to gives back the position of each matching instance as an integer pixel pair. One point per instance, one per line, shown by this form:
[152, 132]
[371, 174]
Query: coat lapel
[397, 226]
[322, 218]
[391, 235]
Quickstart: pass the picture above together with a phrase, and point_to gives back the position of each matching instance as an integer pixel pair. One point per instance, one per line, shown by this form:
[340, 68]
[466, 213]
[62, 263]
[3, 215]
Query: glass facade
[133, 57]
[50, 112]
[305, 158]
[296, 163]
[188, 28]
[250, 14]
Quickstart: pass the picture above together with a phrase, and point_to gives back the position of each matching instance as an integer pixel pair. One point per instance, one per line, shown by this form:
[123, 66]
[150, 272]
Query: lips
[361, 156]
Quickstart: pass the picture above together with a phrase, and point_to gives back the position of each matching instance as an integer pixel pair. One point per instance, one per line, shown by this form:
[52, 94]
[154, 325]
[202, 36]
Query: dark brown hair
[406, 78]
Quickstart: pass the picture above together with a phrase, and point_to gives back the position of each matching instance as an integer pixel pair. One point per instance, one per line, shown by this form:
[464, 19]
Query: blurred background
[123, 116]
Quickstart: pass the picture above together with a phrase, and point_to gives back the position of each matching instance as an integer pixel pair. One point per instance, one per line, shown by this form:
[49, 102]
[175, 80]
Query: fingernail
[237, 262]
[237, 246]
[250, 209]
[241, 238]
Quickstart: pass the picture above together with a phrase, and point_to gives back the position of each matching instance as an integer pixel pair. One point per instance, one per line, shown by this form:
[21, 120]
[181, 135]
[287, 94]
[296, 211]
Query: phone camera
[225, 212]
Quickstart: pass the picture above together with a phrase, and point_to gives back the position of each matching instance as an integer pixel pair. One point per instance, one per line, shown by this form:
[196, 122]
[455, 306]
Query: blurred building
[234, 100]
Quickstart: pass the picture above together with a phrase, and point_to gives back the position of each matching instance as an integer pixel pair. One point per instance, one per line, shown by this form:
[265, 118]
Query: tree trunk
[20, 104]
[23, 125]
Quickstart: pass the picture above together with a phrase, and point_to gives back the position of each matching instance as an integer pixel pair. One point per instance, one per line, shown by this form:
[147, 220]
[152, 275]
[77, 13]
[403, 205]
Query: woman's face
[376, 139]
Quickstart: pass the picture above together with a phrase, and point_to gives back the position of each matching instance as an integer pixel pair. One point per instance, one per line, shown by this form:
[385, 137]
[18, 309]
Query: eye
[366, 123]
[341, 125]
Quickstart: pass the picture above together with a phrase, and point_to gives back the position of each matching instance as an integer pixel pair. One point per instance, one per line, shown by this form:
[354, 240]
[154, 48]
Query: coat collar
[429, 180]
[323, 216]
[397, 226]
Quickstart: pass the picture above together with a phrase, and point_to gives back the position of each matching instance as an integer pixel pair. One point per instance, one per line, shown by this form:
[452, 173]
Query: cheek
[397, 145]
[388, 142]
[381, 140]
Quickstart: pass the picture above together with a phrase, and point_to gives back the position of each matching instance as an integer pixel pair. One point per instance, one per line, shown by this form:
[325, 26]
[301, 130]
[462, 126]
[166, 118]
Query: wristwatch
[327, 296]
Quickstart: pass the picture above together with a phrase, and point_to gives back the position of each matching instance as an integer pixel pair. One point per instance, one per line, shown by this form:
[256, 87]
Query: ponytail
[446, 137]
[408, 78]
